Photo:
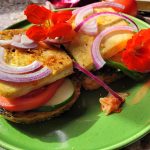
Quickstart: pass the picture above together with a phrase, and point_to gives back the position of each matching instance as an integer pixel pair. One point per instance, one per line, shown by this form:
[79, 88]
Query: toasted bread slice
[35, 116]
[80, 47]
[55, 59]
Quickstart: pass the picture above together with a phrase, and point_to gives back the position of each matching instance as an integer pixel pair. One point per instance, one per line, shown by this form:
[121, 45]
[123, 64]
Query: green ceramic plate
[84, 127]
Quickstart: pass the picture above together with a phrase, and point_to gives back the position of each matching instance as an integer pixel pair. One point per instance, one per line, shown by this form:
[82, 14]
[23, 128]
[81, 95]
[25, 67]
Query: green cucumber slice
[63, 95]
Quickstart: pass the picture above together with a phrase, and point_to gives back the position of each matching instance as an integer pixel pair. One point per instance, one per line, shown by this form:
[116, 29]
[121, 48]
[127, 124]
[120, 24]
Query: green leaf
[134, 75]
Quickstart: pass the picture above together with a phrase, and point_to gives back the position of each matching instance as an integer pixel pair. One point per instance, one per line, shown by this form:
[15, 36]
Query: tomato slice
[31, 101]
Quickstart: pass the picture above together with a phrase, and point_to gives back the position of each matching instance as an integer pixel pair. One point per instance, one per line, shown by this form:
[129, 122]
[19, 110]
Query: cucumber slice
[63, 95]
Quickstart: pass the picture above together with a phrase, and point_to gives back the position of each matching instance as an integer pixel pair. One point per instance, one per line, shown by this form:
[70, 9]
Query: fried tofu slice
[55, 59]
[80, 47]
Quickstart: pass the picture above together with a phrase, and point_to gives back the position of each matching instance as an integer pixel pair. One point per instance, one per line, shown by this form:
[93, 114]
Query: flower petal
[61, 16]
[37, 14]
[37, 33]
[137, 54]
[61, 30]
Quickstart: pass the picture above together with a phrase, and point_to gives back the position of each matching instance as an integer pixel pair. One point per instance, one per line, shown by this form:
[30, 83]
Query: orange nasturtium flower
[63, 30]
[137, 54]
[37, 14]
[48, 24]
[38, 33]
[61, 16]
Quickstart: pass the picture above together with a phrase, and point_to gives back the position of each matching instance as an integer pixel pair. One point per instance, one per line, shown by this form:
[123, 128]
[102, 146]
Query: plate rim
[130, 140]
[122, 144]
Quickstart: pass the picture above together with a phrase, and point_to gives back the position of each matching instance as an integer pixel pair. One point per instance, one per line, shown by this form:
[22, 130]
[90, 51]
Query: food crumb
[111, 104]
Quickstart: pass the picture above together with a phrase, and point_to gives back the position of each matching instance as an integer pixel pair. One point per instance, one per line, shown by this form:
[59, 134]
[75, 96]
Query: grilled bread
[55, 59]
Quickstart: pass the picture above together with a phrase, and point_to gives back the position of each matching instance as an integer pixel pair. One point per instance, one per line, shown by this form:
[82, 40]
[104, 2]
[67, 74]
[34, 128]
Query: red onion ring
[25, 40]
[49, 6]
[98, 80]
[5, 42]
[105, 14]
[16, 70]
[55, 41]
[17, 38]
[19, 41]
[22, 46]
[97, 58]
[21, 78]
[83, 13]
[22, 41]
[91, 27]
[99, 5]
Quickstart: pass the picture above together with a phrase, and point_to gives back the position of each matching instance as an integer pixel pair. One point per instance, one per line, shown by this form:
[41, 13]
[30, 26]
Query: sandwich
[91, 40]
[26, 98]
[80, 47]
[110, 49]
[103, 37]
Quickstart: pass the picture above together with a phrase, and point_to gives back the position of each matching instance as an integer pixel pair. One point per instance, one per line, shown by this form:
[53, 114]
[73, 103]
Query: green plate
[84, 127]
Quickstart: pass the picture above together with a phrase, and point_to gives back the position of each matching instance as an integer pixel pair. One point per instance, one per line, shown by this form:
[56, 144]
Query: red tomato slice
[31, 101]
[130, 6]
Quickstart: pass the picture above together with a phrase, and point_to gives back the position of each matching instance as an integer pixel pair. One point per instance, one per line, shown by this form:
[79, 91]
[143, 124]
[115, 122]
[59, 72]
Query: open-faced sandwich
[33, 82]
[36, 62]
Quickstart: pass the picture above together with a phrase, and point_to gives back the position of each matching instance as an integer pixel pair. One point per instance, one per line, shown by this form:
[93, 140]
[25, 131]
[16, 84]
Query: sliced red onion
[22, 41]
[49, 6]
[17, 38]
[99, 5]
[19, 41]
[105, 14]
[98, 80]
[25, 40]
[56, 41]
[90, 28]
[16, 70]
[97, 58]
[20, 78]
[22, 46]
[5, 42]
[83, 13]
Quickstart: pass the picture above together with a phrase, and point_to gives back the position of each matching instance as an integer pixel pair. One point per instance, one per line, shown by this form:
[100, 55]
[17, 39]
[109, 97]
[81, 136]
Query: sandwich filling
[51, 57]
